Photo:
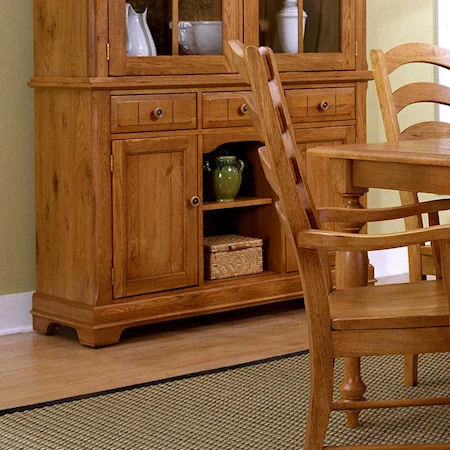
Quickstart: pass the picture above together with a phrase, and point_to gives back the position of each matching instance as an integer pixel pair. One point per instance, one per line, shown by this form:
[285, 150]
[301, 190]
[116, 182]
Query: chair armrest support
[331, 240]
[345, 215]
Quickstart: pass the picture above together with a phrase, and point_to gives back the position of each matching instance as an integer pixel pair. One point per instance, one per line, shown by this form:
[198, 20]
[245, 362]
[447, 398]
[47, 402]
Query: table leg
[352, 271]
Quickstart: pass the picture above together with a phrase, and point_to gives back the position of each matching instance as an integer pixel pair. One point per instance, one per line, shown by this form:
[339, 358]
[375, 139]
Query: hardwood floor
[36, 368]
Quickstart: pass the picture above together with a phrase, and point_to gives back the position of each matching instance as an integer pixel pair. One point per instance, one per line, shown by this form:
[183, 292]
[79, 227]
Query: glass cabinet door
[161, 37]
[321, 31]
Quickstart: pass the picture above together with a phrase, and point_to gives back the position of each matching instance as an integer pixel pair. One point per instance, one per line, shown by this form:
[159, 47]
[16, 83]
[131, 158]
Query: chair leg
[321, 397]
[352, 388]
[411, 367]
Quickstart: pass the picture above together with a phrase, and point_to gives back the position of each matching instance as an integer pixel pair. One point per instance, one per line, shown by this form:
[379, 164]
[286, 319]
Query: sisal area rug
[260, 406]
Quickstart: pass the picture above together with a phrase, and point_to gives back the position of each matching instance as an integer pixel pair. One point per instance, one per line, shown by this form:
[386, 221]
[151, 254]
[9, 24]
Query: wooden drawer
[318, 105]
[130, 113]
[225, 109]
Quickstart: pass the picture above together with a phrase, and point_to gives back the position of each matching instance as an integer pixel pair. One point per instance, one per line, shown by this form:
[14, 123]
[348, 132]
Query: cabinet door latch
[112, 163]
[107, 52]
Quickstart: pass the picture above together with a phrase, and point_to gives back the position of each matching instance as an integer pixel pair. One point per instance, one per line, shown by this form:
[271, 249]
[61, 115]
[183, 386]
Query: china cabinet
[122, 200]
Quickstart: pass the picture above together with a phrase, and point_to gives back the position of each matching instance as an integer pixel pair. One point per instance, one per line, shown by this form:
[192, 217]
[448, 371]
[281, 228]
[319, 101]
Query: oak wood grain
[416, 305]
[66, 197]
[154, 223]
[61, 44]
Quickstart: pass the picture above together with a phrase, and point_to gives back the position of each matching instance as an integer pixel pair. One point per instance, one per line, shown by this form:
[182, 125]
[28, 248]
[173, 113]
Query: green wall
[389, 23]
[17, 237]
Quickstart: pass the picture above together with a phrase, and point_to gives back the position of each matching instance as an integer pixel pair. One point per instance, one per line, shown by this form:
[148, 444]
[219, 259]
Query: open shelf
[259, 276]
[240, 202]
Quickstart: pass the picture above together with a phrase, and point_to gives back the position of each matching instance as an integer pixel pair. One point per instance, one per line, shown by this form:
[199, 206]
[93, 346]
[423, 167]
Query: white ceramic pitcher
[287, 20]
[139, 38]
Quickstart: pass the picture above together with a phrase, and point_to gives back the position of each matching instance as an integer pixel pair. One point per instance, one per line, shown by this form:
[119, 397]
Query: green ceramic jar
[226, 177]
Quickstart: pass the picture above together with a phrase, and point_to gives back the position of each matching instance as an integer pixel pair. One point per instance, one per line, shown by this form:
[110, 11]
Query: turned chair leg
[352, 388]
[411, 369]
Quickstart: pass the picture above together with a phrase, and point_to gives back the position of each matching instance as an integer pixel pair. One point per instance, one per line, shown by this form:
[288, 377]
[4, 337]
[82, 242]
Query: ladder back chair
[421, 261]
[352, 322]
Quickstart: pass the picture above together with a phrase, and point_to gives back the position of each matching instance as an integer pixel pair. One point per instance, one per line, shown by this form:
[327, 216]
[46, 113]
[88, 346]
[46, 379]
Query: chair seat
[409, 305]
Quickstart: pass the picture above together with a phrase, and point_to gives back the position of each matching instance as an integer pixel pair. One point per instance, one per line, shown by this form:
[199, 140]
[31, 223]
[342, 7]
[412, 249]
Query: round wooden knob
[159, 113]
[244, 108]
[195, 201]
[324, 105]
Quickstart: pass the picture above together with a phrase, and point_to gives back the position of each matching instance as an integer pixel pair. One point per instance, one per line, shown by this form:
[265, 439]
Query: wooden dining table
[415, 166]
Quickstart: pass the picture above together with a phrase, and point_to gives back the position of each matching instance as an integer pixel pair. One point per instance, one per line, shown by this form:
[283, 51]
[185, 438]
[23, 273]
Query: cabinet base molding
[102, 325]
[90, 337]
[99, 326]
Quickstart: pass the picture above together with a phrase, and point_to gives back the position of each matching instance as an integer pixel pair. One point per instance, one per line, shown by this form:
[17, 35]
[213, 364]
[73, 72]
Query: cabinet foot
[99, 338]
[44, 326]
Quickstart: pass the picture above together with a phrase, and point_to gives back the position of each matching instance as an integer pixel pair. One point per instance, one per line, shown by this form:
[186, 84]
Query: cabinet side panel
[61, 38]
[65, 200]
[101, 175]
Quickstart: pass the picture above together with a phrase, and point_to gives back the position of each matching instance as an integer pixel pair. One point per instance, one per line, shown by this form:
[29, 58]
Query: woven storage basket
[232, 256]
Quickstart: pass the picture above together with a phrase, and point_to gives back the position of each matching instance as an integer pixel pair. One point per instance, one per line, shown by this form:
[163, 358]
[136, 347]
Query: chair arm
[331, 240]
[346, 215]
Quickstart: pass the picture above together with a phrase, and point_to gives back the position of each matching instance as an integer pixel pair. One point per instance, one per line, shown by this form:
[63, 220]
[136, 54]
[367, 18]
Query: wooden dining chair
[421, 261]
[380, 320]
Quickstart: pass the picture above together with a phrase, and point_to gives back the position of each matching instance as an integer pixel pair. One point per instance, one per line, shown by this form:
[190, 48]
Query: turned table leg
[351, 271]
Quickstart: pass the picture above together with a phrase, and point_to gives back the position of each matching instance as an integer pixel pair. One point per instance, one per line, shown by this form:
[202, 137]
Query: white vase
[139, 38]
[287, 20]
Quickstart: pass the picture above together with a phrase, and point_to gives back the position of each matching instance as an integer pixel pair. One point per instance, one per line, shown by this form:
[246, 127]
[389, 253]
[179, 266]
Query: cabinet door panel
[190, 36]
[324, 40]
[155, 226]
[318, 173]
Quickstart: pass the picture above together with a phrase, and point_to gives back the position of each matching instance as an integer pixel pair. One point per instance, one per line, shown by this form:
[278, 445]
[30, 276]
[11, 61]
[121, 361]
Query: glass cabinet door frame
[120, 64]
[344, 60]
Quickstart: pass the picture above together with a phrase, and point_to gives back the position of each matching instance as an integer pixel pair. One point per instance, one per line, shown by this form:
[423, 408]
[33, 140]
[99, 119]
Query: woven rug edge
[33, 406]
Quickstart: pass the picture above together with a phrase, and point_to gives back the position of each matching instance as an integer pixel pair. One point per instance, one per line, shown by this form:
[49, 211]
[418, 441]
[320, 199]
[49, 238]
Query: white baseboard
[15, 314]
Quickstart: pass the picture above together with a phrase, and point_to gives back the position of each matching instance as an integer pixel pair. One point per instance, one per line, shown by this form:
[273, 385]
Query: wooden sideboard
[121, 204]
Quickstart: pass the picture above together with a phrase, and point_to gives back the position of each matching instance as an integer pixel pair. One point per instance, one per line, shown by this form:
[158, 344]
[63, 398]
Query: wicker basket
[232, 256]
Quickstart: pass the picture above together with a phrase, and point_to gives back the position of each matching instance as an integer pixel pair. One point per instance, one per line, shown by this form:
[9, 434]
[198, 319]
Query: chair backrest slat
[421, 93]
[417, 53]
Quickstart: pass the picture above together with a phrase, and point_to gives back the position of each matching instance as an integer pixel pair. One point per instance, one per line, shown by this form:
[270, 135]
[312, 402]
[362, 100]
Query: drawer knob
[195, 201]
[244, 108]
[324, 105]
[159, 113]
